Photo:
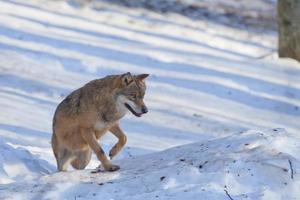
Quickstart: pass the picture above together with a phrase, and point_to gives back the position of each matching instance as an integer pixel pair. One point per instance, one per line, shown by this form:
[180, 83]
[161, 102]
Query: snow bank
[17, 162]
[246, 165]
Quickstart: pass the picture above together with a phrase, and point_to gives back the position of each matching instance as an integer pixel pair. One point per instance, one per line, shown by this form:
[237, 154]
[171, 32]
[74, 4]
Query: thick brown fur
[89, 112]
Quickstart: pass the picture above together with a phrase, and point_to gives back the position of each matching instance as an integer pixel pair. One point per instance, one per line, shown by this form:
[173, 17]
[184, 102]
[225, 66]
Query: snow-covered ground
[209, 83]
[259, 14]
[248, 165]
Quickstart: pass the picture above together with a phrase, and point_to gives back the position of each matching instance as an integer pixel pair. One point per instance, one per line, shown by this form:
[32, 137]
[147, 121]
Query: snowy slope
[208, 81]
[248, 165]
[259, 14]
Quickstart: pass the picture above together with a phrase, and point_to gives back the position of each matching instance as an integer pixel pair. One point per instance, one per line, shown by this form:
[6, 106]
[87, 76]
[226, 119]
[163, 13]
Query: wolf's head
[131, 93]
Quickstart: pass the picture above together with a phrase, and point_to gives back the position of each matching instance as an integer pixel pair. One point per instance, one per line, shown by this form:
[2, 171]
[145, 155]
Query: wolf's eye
[134, 96]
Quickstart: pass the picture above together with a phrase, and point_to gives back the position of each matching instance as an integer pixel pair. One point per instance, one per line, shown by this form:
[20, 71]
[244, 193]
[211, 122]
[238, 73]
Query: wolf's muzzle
[132, 111]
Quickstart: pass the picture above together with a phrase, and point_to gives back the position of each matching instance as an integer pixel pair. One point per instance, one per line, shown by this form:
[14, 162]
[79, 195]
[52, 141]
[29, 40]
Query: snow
[260, 14]
[248, 165]
[210, 85]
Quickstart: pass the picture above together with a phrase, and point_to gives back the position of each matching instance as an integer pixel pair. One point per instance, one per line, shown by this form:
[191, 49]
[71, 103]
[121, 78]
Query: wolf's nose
[144, 109]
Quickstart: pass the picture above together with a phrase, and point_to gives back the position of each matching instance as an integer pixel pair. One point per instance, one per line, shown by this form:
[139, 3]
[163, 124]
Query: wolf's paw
[112, 168]
[112, 153]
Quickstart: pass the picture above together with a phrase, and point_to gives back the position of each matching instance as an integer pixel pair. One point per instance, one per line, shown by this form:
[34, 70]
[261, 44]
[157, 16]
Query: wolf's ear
[142, 77]
[127, 79]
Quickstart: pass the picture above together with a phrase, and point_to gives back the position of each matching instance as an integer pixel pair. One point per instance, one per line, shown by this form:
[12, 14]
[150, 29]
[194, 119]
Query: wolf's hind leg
[117, 131]
[64, 156]
[82, 159]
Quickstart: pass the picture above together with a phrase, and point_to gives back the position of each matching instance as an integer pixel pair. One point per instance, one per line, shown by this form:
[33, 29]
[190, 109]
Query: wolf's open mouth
[132, 111]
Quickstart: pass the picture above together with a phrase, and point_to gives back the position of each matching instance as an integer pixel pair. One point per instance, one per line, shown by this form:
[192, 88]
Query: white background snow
[218, 90]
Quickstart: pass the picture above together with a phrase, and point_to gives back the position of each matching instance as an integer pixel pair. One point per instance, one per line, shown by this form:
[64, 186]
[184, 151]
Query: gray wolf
[91, 111]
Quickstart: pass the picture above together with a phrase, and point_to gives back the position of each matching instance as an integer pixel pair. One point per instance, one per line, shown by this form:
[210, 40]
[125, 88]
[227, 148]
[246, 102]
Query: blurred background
[214, 69]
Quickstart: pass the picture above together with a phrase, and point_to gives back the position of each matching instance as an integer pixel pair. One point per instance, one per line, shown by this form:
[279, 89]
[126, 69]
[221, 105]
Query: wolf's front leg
[90, 138]
[116, 130]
